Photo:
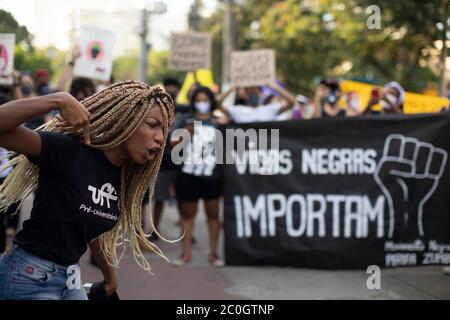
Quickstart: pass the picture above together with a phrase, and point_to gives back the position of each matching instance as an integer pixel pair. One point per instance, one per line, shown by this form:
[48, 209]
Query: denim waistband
[23, 254]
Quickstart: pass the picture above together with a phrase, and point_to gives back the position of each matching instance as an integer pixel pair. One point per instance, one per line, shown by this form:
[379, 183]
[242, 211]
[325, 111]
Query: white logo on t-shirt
[107, 192]
[200, 155]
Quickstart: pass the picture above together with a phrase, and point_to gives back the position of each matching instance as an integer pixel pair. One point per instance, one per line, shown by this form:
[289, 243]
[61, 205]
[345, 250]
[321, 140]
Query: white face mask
[202, 107]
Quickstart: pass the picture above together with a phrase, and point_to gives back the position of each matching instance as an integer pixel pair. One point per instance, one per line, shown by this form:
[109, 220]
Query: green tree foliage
[214, 24]
[194, 16]
[8, 24]
[32, 60]
[323, 38]
[126, 67]
[158, 68]
[26, 57]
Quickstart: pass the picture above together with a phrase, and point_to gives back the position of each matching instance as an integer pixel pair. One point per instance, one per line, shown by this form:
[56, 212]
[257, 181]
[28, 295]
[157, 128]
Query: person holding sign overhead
[249, 108]
[249, 70]
[90, 167]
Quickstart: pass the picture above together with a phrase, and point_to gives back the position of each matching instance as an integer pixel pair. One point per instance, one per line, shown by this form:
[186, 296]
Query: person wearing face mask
[391, 100]
[67, 74]
[27, 86]
[42, 82]
[249, 107]
[199, 177]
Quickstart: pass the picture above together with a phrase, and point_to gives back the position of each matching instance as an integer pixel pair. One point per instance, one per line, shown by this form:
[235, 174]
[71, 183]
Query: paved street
[198, 280]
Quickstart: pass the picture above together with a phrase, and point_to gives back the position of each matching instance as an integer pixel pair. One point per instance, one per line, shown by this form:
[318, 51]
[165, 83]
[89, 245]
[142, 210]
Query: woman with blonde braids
[90, 167]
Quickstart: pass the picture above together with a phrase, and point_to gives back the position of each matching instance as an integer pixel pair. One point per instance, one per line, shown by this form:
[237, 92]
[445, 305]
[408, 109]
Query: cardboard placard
[190, 51]
[252, 67]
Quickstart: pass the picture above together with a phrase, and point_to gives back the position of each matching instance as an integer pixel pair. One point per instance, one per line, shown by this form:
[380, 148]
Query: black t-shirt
[180, 113]
[77, 199]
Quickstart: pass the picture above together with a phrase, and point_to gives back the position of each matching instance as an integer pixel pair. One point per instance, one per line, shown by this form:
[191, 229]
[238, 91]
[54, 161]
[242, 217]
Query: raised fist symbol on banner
[408, 173]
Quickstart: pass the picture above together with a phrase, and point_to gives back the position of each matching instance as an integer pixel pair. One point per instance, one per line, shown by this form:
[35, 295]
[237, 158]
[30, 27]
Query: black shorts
[192, 188]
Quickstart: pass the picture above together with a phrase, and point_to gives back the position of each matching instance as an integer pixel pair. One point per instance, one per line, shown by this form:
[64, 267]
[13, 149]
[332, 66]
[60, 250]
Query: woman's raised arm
[17, 138]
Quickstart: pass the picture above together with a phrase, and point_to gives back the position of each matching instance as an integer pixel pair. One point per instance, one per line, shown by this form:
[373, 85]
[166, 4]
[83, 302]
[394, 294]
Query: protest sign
[252, 67]
[340, 193]
[190, 51]
[96, 59]
[7, 41]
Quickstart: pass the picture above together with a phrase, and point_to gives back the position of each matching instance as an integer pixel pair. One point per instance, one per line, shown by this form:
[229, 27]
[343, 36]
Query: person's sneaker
[181, 261]
[215, 261]
[446, 271]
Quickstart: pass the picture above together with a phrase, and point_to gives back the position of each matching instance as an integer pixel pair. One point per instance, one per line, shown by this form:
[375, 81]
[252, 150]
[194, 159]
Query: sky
[50, 20]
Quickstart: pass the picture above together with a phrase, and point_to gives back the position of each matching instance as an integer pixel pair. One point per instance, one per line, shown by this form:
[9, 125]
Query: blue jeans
[24, 276]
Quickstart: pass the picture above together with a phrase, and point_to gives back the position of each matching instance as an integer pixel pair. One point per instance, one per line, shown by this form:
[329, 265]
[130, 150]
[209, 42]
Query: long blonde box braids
[116, 113]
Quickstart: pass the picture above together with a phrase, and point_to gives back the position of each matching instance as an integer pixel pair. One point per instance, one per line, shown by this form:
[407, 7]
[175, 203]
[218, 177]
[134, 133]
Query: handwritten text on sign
[252, 67]
[190, 51]
[7, 41]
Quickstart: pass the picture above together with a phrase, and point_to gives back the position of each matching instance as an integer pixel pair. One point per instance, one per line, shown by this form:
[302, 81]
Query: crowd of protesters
[189, 183]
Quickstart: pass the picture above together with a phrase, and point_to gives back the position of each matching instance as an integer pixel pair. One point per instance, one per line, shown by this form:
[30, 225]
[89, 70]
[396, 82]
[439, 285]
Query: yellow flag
[414, 102]
[204, 76]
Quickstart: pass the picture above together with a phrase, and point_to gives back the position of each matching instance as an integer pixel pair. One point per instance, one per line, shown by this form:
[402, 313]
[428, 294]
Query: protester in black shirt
[199, 177]
[88, 193]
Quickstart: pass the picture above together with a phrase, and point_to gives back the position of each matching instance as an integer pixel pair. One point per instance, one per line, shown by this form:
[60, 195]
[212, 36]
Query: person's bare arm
[17, 92]
[109, 273]
[67, 74]
[66, 77]
[320, 93]
[221, 97]
[17, 138]
[290, 99]
[221, 116]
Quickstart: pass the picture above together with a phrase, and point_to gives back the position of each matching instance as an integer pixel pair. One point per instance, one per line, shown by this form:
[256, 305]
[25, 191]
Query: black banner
[340, 193]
